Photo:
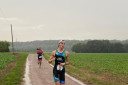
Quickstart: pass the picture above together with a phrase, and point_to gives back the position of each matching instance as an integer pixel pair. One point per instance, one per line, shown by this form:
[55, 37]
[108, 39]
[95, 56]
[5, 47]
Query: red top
[40, 51]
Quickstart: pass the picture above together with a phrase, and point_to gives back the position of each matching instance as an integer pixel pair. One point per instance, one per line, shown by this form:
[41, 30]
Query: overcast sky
[64, 19]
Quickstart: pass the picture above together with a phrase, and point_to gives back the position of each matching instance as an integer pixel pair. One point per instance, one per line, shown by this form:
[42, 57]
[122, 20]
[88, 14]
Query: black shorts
[39, 57]
[59, 75]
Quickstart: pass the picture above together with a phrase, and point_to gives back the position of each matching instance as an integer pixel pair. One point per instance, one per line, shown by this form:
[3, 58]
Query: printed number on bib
[59, 67]
[40, 56]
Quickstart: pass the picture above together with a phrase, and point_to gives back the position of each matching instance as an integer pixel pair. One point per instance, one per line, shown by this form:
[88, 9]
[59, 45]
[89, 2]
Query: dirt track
[43, 75]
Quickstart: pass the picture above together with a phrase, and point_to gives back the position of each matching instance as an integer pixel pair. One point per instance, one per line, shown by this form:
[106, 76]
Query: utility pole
[12, 39]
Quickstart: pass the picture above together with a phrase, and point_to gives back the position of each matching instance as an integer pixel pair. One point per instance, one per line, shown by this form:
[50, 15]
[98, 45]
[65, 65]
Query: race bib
[40, 56]
[59, 67]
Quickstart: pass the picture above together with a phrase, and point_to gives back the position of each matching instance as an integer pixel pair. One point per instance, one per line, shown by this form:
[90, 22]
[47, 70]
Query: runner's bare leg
[61, 84]
[57, 83]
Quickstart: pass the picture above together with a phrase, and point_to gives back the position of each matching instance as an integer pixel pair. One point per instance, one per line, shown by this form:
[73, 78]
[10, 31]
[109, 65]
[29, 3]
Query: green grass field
[99, 68]
[16, 64]
[97, 63]
[5, 59]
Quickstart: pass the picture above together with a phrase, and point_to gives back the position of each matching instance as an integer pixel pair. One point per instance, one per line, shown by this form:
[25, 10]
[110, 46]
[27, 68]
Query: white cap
[61, 41]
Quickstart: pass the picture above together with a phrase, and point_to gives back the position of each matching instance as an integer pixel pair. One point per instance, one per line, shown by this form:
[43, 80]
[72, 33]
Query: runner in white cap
[61, 58]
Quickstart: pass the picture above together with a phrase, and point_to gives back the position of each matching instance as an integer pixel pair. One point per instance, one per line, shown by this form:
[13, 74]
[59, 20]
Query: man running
[39, 52]
[61, 58]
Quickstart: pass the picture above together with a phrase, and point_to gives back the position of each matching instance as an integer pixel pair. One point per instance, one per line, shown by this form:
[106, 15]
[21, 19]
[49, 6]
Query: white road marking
[27, 79]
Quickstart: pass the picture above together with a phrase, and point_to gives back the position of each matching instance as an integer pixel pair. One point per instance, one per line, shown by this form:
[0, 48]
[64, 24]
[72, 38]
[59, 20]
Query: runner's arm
[67, 58]
[52, 57]
[43, 53]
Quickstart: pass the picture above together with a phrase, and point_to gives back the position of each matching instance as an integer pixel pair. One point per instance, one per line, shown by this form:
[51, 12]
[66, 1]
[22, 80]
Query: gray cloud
[64, 19]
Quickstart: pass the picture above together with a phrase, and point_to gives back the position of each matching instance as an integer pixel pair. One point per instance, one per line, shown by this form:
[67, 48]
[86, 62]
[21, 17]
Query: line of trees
[46, 45]
[100, 46]
[50, 45]
[4, 46]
